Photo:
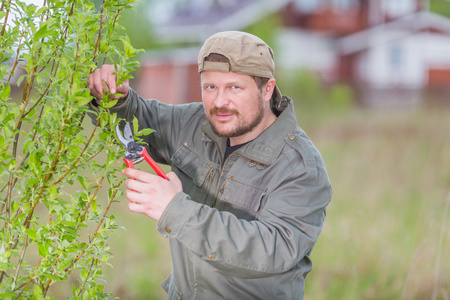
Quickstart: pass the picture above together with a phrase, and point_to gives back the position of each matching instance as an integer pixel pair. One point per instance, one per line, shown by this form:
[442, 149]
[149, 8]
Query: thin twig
[99, 37]
[411, 270]
[92, 198]
[437, 265]
[6, 17]
[87, 276]
[81, 155]
[22, 256]
[30, 280]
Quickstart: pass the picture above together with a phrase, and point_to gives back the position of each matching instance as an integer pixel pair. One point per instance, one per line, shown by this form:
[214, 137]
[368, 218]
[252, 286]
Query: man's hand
[103, 80]
[150, 194]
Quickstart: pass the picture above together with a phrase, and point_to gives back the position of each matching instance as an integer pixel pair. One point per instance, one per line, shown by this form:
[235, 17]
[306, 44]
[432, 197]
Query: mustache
[223, 110]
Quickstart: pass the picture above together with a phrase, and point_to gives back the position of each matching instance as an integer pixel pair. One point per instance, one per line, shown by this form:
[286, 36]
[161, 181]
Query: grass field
[387, 231]
[387, 234]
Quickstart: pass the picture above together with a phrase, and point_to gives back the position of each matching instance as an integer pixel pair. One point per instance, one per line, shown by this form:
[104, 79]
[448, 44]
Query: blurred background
[371, 86]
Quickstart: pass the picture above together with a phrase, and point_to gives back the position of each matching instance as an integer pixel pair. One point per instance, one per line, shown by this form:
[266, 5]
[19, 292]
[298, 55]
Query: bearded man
[246, 198]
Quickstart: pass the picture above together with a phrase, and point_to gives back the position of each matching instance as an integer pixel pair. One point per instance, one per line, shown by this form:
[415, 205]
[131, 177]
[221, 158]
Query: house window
[396, 57]
[398, 8]
[308, 6]
[344, 4]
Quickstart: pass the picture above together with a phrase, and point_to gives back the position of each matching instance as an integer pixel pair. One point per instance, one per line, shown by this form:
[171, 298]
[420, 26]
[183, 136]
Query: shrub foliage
[53, 224]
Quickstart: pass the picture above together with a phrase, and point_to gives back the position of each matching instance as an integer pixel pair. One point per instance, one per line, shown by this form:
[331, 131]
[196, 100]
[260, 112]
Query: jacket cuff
[175, 215]
[120, 101]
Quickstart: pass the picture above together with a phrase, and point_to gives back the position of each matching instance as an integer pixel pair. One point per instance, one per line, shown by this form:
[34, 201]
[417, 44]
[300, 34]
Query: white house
[388, 50]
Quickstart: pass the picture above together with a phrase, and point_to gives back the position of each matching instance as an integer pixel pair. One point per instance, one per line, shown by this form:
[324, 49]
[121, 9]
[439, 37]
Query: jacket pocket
[192, 169]
[191, 164]
[243, 199]
[171, 288]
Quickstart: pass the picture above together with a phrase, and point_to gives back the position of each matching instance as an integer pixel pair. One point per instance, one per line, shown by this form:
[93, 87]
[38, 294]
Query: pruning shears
[135, 153]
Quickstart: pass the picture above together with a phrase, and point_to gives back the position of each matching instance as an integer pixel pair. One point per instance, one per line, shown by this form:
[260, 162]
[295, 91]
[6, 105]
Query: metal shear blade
[128, 134]
[135, 153]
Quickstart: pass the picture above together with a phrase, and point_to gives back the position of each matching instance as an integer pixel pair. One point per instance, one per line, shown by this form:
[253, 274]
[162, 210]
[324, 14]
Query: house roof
[196, 21]
[397, 29]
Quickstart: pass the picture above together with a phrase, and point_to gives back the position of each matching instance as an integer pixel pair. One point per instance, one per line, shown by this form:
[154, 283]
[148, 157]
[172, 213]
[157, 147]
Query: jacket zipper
[207, 186]
[221, 169]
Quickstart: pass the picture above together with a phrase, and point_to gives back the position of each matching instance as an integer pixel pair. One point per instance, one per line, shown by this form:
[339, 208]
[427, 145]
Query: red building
[379, 47]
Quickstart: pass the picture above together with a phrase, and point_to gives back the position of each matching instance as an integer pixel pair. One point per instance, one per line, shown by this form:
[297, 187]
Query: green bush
[53, 225]
[308, 91]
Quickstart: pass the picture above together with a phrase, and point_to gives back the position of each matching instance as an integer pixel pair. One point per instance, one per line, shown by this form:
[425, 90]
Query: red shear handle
[129, 163]
[153, 164]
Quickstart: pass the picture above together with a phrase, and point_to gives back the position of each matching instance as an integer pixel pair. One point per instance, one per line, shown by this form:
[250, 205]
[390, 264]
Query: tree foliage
[53, 224]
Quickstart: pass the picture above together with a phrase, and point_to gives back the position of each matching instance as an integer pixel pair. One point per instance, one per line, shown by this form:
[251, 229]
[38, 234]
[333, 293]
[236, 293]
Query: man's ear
[268, 89]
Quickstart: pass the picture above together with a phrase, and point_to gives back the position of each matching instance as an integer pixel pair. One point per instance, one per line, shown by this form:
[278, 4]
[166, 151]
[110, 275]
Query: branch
[6, 17]
[30, 280]
[92, 198]
[81, 155]
[19, 264]
[97, 42]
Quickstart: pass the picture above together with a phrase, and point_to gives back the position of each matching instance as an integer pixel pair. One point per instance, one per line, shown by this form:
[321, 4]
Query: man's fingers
[133, 185]
[99, 85]
[123, 88]
[136, 207]
[91, 85]
[111, 80]
[104, 80]
[139, 175]
[172, 176]
[133, 196]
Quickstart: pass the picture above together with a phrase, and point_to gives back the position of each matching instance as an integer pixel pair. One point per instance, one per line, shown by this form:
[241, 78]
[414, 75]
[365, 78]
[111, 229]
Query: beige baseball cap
[247, 54]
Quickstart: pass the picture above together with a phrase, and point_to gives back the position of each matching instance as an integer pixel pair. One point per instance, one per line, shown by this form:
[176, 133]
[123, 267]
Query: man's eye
[210, 87]
[235, 87]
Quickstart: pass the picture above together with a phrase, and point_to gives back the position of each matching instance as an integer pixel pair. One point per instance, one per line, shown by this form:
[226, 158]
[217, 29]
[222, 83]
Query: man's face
[233, 104]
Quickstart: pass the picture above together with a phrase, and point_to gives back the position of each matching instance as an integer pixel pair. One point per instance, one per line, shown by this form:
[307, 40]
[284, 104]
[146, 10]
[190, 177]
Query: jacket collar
[266, 147]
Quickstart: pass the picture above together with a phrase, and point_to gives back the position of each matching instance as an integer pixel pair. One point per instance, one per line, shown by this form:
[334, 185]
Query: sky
[28, 2]
[36, 2]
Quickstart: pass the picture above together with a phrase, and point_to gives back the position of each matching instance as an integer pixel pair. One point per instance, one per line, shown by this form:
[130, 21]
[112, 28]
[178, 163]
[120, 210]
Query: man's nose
[222, 99]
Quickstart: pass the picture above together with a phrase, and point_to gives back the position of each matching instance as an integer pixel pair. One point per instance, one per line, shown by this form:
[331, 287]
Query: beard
[242, 127]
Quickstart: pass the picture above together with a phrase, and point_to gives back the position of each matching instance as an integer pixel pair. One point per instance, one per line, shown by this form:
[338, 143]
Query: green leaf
[135, 126]
[43, 249]
[94, 206]
[37, 292]
[44, 32]
[145, 131]
[20, 79]
[31, 233]
[84, 100]
[103, 120]
[49, 276]
[28, 146]
[82, 181]
[35, 163]
[111, 157]
[40, 11]
[109, 104]
[104, 135]
[112, 119]
[30, 10]
[5, 91]
[64, 264]
[75, 151]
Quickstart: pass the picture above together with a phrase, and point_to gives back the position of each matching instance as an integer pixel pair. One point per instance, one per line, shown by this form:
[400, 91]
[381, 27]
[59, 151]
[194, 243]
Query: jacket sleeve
[284, 233]
[163, 118]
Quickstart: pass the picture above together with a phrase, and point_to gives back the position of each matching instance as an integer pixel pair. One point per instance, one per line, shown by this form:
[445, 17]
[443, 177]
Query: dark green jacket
[243, 228]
